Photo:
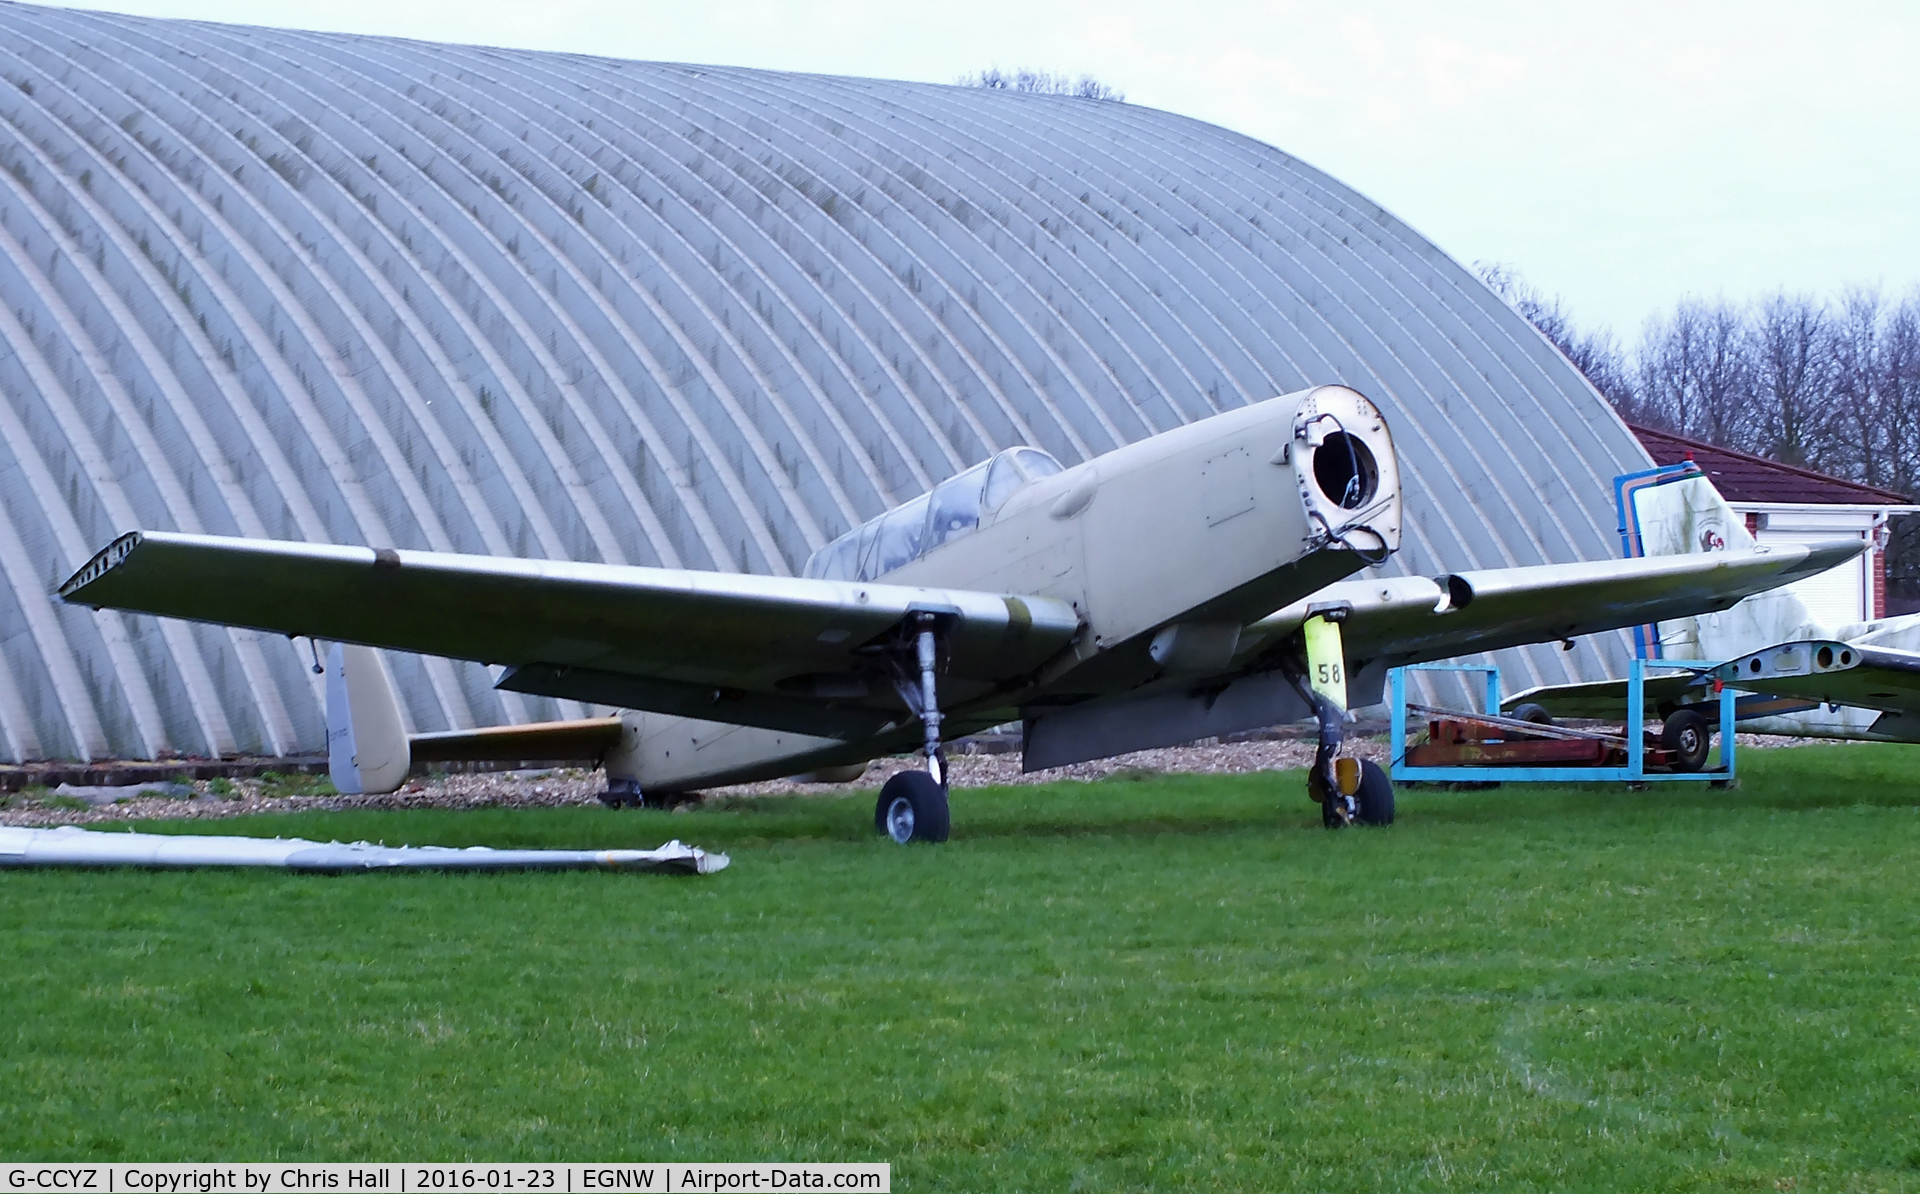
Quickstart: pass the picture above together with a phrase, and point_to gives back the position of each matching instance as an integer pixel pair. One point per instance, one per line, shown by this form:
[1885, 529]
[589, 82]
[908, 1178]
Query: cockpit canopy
[954, 508]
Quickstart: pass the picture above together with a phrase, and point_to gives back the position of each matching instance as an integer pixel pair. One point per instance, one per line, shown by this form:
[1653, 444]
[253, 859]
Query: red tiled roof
[1743, 478]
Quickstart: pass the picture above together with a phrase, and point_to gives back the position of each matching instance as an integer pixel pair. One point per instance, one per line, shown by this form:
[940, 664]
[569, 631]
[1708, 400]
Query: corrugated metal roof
[365, 290]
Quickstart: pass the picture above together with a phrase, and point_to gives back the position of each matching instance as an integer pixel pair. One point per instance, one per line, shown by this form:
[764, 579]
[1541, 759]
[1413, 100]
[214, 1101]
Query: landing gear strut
[1348, 791]
[913, 804]
[1338, 808]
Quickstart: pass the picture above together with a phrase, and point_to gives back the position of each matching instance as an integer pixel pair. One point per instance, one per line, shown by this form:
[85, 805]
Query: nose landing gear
[1349, 791]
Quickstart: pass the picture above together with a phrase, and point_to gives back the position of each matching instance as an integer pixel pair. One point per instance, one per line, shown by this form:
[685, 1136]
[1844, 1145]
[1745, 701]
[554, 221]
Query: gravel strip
[213, 799]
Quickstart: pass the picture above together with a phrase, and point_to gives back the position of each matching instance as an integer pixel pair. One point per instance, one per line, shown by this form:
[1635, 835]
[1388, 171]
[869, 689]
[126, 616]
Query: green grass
[1178, 983]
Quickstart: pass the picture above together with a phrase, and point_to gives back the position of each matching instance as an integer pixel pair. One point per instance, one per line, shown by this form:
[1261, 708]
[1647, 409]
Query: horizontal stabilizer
[585, 740]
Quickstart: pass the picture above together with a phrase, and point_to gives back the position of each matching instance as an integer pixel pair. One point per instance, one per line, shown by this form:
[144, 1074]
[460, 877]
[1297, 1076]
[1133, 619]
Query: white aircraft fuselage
[1166, 549]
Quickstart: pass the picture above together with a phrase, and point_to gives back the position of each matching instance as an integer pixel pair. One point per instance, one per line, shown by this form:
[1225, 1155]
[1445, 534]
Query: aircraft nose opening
[1826, 657]
[1345, 470]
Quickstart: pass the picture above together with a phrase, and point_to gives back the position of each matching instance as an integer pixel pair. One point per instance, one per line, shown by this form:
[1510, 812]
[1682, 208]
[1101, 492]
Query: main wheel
[623, 793]
[1375, 795]
[912, 808]
[1686, 734]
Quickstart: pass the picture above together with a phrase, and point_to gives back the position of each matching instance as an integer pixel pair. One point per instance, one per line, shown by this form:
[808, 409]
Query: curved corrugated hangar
[369, 291]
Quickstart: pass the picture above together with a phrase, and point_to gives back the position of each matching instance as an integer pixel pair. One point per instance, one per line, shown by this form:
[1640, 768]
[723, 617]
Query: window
[955, 507]
[837, 560]
[1013, 468]
[907, 532]
[901, 533]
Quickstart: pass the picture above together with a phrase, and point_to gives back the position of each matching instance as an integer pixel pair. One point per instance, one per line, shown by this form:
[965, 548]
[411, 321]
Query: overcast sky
[1620, 154]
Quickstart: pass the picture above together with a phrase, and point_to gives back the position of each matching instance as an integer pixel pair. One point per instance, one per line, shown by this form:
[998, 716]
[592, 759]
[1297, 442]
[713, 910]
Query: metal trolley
[1535, 759]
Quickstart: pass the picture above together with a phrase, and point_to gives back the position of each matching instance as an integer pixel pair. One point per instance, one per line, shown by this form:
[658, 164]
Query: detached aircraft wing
[1415, 619]
[1784, 678]
[785, 653]
[1830, 672]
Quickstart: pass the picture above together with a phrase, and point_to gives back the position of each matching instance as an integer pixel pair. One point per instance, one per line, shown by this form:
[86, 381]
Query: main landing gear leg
[913, 804]
[924, 648]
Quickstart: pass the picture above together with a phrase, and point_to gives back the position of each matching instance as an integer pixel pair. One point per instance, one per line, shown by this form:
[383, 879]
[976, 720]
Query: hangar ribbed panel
[362, 290]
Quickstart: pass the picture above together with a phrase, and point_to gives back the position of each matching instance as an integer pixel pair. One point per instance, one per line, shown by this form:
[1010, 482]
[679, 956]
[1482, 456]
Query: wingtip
[1830, 554]
[104, 561]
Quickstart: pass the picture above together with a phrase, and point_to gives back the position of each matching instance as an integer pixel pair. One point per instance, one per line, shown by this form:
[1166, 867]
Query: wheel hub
[900, 820]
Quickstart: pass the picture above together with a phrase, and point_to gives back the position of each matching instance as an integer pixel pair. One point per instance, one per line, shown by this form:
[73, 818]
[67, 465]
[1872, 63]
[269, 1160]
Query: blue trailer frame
[1634, 772]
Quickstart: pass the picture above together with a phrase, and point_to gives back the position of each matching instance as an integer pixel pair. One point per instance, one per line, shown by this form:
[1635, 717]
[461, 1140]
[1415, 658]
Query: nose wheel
[1370, 802]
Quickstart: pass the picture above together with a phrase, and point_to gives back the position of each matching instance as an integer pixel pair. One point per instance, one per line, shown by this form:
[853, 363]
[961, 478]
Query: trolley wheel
[1529, 711]
[1686, 733]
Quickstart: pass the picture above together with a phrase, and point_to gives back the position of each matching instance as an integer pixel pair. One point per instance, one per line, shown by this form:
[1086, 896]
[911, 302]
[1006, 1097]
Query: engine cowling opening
[1345, 470]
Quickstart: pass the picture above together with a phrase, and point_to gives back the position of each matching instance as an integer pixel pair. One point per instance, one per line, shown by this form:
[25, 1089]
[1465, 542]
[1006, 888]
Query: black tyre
[1688, 736]
[1330, 813]
[623, 793]
[1528, 711]
[1375, 796]
[912, 808]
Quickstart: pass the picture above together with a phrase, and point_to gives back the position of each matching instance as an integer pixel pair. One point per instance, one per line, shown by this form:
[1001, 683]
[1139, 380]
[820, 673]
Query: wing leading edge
[1396, 620]
[1416, 619]
[782, 652]
[1837, 673]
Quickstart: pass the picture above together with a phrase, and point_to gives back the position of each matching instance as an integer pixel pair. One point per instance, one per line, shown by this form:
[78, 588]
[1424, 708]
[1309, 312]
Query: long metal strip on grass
[69, 846]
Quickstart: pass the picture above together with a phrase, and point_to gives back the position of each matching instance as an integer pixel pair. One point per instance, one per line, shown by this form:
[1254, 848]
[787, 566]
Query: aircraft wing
[782, 652]
[1416, 619]
[1784, 678]
[1831, 673]
[1606, 700]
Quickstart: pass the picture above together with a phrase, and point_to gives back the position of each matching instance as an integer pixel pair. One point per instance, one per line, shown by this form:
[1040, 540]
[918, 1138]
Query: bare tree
[1859, 410]
[1831, 386]
[1597, 355]
[1042, 82]
[1793, 378]
[1694, 373]
[1899, 393]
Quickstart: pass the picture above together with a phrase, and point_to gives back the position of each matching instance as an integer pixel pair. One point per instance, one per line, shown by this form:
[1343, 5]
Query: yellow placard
[1326, 660]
